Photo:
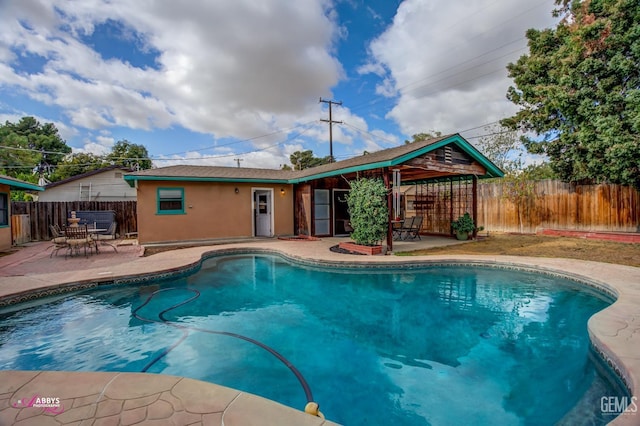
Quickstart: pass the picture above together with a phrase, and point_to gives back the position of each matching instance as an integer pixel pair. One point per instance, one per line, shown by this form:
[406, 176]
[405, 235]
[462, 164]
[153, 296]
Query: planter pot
[370, 250]
[462, 236]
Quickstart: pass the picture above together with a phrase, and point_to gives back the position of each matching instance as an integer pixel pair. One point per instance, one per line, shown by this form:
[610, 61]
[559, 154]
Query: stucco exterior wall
[212, 210]
[106, 186]
[5, 231]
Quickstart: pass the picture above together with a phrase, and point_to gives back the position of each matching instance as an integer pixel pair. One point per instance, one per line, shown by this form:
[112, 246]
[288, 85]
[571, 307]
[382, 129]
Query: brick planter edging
[370, 250]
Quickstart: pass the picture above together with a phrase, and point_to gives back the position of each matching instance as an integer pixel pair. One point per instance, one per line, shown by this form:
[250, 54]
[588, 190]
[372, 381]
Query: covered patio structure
[442, 171]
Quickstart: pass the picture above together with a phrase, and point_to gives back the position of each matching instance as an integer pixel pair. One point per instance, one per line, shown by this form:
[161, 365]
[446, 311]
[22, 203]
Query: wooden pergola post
[475, 204]
[387, 184]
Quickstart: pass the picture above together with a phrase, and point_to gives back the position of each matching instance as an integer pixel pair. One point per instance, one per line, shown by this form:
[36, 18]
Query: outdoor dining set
[83, 234]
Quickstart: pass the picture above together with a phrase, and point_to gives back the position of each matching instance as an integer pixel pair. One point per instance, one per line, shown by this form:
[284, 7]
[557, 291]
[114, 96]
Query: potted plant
[464, 226]
[368, 215]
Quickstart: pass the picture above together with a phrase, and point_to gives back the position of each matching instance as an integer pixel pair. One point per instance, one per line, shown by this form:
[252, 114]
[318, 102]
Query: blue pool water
[429, 346]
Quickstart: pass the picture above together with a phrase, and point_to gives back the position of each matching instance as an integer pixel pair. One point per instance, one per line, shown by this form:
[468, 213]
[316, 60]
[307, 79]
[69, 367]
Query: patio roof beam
[433, 166]
[438, 179]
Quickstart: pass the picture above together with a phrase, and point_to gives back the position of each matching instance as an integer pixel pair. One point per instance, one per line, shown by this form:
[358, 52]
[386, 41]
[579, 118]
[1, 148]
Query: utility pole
[330, 121]
[238, 160]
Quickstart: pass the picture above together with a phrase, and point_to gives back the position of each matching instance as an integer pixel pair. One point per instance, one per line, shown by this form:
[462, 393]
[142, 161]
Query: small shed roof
[87, 174]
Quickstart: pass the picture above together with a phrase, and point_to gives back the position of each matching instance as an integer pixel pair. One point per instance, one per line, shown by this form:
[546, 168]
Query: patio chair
[59, 240]
[397, 227]
[414, 230]
[405, 227]
[109, 235]
[77, 238]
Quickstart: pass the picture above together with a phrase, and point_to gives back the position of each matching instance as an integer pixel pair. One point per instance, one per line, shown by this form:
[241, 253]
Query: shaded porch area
[443, 173]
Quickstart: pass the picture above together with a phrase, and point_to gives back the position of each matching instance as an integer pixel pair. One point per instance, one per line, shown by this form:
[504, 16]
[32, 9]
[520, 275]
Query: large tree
[76, 164]
[579, 88]
[30, 148]
[304, 160]
[130, 155]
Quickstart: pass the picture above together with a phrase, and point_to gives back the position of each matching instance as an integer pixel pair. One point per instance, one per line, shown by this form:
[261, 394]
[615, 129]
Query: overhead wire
[163, 157]
[160, 158]
[468, 60]
[237, 154]
[243, 140]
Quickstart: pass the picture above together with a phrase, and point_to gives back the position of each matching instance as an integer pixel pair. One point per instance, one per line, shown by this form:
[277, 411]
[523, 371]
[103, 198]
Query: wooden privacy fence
[43, 214]
[561, 205]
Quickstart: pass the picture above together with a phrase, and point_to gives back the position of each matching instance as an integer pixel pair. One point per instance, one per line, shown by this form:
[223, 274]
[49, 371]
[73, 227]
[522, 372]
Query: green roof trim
[132, 178]
[492, 170]
[352, 169]
[380, 159]
[20, 184]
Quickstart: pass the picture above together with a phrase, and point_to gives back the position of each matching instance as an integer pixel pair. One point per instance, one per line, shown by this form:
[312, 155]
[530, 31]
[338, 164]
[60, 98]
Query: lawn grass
[544, 246]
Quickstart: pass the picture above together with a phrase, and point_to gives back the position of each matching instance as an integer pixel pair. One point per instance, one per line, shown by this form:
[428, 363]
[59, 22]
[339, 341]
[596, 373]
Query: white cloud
[372, 68]
[242, 68]
[447, 60]
[223, 68]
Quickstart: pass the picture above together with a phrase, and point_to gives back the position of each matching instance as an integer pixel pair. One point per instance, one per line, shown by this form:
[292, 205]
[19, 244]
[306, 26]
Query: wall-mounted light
[236, 190]
[281, 191]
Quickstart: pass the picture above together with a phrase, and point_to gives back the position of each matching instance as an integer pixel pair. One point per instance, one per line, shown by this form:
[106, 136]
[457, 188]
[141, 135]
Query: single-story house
[105, 184]
[182, 203]
[6, 185]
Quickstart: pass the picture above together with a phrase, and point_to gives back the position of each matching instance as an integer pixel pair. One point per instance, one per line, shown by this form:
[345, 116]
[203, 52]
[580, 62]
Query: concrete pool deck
[130, 398]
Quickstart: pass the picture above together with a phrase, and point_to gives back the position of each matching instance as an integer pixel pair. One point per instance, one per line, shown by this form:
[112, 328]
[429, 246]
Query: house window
[4, 209]
[170, 200]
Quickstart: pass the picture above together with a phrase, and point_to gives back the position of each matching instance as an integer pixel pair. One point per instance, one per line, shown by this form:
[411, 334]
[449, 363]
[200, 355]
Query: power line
[162, 157]
[238, 154]
[243, 140]
[369, 133]
[330, 121]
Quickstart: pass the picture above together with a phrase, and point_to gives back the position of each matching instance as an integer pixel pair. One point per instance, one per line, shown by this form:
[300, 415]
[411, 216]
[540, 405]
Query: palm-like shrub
[367, 202]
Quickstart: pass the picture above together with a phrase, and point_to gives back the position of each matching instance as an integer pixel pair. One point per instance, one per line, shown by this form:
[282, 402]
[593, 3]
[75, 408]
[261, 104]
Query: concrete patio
[100, 398]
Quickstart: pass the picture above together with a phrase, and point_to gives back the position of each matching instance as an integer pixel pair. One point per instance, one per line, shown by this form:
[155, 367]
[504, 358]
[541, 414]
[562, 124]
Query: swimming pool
[423, 346]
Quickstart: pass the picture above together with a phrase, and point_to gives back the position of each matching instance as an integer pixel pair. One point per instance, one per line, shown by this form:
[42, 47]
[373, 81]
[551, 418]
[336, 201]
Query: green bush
[367, 202]
[464, 224]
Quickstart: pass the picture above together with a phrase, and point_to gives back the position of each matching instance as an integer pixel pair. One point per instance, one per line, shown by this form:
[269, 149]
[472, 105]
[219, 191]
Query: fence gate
[20, 228]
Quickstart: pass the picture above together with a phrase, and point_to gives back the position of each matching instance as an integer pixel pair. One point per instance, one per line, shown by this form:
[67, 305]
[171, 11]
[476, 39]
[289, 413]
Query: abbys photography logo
[613, 405]
[49, 404]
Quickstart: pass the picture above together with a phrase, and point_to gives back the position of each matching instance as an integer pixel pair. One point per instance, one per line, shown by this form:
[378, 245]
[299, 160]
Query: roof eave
[21, 185]
[492, 170]
[353, 169]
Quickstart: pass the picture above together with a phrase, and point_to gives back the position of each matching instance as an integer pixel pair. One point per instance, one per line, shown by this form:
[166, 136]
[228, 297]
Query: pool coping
[614, 331]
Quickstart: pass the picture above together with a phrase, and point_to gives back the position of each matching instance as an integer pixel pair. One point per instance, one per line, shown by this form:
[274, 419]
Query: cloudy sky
[212, 81]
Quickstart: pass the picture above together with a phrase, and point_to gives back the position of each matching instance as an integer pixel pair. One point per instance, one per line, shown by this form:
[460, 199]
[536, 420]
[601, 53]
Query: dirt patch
[543, 246]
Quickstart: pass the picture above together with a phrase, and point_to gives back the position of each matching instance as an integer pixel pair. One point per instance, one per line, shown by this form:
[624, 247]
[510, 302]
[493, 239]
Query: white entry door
[263, 212]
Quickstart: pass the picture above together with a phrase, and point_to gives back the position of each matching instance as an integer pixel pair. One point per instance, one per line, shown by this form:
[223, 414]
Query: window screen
[170, 200]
